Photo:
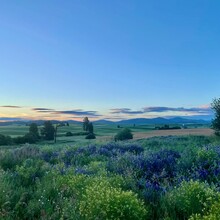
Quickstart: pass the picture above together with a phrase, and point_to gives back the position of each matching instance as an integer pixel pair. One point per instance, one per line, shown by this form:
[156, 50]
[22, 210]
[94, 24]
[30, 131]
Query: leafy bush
[5, 140]
[90, 136]
[102, 201]
[160, 166]
[69, 133]
[206, 166]
[52, 199]
[212, 214]
[29, 138]
[189, 198]
[50, 156]
[7, 160]
[10, 158]
[13, 198]
[124, 134]
[30, 171]
[80, 133]
[19, 140]
[113, 149]
[5, 189]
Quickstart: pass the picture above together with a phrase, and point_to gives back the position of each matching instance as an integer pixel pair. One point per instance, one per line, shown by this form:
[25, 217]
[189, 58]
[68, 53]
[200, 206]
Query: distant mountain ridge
[160, 120]
[137, 121]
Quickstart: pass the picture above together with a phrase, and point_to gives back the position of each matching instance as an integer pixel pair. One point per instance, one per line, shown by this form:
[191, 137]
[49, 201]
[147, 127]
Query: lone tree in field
[33, 129]
[216, 121]
[48, 131]
[124, 134]
[90, 128]
[55, 131]
[85, 124]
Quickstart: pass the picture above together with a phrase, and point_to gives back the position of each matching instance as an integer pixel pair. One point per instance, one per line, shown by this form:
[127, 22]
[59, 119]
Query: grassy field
[107, 132]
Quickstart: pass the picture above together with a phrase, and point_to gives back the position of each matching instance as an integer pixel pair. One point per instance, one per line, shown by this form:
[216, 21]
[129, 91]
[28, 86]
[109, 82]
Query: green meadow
[102, 131]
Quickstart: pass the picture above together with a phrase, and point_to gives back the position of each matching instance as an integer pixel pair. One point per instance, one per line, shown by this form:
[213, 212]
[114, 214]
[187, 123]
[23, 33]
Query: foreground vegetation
[157, 178]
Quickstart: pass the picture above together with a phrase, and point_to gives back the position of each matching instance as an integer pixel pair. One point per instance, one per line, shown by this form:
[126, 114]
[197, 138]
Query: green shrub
[5, 140]
[69, 133]
[212, 214]
[5, 188]
[10, 195]
[206, 156]
[19, 140]
[30, 171]
[29, 138]
[80, 133]
[10, 158]
[124, 134]
[7, 160]
[102, 201]
[78, 182]
[52, 199]
[189, 198]
[90, 136]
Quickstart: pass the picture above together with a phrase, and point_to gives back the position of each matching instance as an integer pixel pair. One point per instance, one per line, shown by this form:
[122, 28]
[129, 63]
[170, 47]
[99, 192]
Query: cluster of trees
[33, 136]
[88, 126]
[47, 132]
[167, 127]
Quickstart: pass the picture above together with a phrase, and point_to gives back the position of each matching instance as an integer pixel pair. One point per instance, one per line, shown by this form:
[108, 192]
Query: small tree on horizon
[33, 129]
[48, 131]
[85, 124]
[215, 105]
[90, 127]
[55, 130]
[91, 135]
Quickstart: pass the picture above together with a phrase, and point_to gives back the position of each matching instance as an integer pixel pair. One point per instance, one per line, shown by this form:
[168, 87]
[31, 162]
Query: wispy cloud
[204, 110]
[125, 111]
[10, 106]
[75, 112]
[42, 109]
[199, 110]
[78, 112]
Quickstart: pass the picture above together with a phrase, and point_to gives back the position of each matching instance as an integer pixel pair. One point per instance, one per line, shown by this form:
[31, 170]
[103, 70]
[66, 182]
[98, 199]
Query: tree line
[47, 132]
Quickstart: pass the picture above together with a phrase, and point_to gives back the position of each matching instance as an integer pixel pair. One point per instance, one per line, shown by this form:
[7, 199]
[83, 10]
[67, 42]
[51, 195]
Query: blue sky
[91, 58]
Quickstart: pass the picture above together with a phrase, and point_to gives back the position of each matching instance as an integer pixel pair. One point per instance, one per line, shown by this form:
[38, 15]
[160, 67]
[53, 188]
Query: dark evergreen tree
[90, 127]
[48, 131]
[33, 130]
[85, 124]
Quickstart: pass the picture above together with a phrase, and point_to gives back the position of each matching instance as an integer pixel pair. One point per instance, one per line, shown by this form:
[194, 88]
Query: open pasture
[106, 132]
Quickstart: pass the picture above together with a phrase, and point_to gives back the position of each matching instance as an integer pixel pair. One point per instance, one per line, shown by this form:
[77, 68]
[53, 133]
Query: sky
[108, 59]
